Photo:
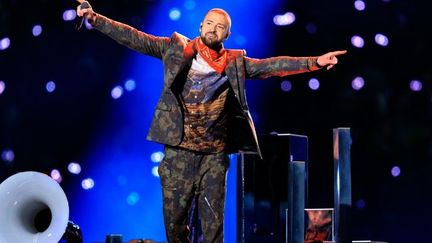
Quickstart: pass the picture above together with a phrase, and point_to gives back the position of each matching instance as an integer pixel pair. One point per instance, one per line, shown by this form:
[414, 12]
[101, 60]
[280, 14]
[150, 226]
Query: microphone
[80, 21]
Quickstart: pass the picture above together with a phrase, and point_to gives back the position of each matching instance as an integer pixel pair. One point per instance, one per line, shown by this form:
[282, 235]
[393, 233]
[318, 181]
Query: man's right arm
[126, 35]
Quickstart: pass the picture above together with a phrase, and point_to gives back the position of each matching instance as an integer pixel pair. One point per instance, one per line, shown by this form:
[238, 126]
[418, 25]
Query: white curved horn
[23, 197]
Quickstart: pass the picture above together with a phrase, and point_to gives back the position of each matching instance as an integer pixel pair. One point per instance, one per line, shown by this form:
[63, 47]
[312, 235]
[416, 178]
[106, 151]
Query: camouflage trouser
[185, 174]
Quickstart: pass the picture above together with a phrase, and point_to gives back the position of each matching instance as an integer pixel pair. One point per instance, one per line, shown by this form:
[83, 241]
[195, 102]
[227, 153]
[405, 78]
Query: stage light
[74, 168]
[50, 86]
[8, 155]
[189, 4]
[286, 86]
[69, 15]
[87, 184]
[395, 171]
[117, 92]
[174, 14]
[4, 43]
[286, 19]
[130, 85]
[37, 30]
[357, 83]
[360, 204]
[416, 85]
[133, 198]
[359, 5]
[56, 175]
[157, 157]
[314, 84]
[381, 39]
[2, 87]
[155, 172]
[357, 41]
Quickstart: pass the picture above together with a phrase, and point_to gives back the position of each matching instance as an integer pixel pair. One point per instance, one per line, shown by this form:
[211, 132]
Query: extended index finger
[337, 53]
[80, 1]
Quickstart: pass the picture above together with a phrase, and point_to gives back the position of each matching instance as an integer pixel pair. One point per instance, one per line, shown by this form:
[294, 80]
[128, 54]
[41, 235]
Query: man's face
[214, 29]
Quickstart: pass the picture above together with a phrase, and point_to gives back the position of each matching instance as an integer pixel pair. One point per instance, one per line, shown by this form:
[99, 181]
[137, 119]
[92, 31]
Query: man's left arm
[286, 65]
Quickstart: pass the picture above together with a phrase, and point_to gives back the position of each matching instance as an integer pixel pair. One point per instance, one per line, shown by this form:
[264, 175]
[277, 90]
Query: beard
[211, 40]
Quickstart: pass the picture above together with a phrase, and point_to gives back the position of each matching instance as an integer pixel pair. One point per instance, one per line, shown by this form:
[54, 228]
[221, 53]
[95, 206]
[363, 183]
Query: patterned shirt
[204, 96]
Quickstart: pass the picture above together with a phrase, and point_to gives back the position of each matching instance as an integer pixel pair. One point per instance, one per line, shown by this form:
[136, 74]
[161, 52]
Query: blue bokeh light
[50, 86]
[130, 85]
[69, 15]
[37, 30]
[155, 172]
[396, 171]
[133, 198]
[8, 155]
[286, 86]
[56, 175]
[175, 14]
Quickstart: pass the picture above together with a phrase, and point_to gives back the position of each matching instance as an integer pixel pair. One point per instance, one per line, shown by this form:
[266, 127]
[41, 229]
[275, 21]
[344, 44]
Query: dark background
[390, 124]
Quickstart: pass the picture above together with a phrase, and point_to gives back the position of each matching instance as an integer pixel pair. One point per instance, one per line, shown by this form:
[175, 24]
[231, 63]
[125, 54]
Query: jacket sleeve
[278, 66]
[134, 39]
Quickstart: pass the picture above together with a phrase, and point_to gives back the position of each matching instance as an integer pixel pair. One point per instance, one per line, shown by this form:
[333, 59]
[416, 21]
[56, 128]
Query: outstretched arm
[286, 65]
[124, 34]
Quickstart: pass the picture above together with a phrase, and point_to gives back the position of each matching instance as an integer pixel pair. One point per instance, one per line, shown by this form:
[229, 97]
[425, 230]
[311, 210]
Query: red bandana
[216, 60]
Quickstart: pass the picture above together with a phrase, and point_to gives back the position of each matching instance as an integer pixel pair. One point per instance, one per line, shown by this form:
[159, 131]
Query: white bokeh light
[286, 86]
[155, 171]
[87, 184]
[381, 39]
[285, 19]
[8, 155]
[157, 157]
[117, 92]
[74, 168]
[130, 85]
[357, 41]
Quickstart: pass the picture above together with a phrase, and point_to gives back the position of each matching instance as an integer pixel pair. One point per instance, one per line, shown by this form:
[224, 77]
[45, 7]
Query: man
[202, 114]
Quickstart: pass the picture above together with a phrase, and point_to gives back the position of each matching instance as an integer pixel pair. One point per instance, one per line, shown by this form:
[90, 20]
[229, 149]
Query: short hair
[223, 12]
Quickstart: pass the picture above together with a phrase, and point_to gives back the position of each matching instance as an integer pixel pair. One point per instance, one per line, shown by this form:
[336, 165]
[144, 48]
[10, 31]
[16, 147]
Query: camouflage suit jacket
[167, 123]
